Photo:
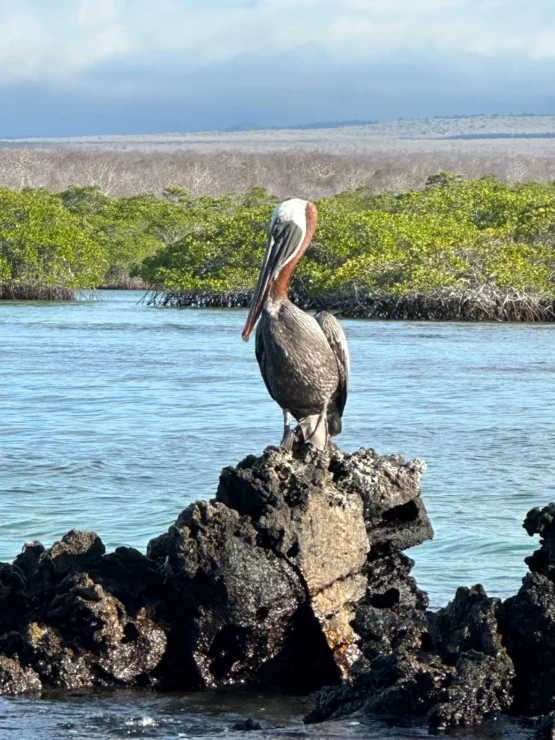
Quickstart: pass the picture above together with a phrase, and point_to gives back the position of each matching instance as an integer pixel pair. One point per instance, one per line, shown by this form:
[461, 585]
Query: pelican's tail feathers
[315, 430]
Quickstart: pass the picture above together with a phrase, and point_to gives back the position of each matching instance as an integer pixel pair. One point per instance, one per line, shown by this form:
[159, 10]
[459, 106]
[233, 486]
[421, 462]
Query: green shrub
[453, 234]
[41, 242]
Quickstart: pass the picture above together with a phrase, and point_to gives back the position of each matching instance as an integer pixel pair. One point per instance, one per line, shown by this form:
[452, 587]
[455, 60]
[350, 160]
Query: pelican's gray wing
[338, 343]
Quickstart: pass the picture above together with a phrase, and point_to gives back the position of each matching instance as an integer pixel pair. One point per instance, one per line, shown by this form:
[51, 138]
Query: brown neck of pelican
[278, 288]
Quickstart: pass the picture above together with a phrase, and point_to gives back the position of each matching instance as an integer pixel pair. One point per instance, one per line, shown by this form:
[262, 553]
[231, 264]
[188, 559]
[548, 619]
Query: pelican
[304, 359]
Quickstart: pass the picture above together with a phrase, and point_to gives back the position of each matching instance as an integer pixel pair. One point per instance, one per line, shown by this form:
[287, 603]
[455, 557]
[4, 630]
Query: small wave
[142, 722]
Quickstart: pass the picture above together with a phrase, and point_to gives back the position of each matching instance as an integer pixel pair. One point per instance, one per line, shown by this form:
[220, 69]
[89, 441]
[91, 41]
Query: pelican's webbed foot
[289, 435]
[314, 430]
[289, 439]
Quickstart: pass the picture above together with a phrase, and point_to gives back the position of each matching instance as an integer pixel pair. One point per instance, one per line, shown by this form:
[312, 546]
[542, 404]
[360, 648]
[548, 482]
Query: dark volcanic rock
[230, 602]
[398, 668]
[469, 640]
[44, 569]
[390, 490]
[135, 580]
[57, 664]
[312, 508]
[529, 621]
[246, 725]
[264, 579]
[75, 632]
[389, 583]
[95, 625]
[542, 522]
[274, 581]
[450, 667]
[293, 575]
[14, 603]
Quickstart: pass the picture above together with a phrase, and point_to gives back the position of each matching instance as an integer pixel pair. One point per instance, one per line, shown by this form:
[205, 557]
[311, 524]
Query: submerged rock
[247, 725]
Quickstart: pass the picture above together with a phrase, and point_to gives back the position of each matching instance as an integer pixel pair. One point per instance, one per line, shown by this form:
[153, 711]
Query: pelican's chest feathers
[296, 344]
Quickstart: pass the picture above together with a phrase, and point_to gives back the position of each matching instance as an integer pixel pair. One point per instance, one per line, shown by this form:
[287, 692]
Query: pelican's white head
[289, 233]
[292, 211]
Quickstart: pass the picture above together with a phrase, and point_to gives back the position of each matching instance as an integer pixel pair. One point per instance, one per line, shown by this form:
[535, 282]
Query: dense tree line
[454, 233]
[306, 172]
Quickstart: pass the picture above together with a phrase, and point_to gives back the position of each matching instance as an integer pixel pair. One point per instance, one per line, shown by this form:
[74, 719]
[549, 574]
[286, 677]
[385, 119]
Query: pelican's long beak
[261, 290]
[283, 241]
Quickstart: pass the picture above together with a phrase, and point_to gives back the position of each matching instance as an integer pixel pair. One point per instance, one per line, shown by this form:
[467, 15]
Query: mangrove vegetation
[468, 249]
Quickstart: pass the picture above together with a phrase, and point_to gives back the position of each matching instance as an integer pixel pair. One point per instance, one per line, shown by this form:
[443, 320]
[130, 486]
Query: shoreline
[482, 305]
[445, 305]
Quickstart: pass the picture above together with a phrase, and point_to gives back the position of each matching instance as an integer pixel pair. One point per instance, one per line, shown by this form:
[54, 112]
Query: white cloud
[397, 7]
[107, 43]
[23, 43]
[93, 13]
[56, 42]
[544, 44]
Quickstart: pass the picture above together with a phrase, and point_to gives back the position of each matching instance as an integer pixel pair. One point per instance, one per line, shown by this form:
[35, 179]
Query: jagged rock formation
[529, 621]
[265, 578]
[449, 667]
[315, 527]
[258, 585]
[293, 575]
[476, 656]
[62, 620]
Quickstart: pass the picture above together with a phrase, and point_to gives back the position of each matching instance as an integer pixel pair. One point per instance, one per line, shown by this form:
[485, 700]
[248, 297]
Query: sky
[82, 67]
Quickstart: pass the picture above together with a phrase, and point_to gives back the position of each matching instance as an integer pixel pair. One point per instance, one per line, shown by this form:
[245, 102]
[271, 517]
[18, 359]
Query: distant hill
[468, 137]
[455, 121]
[298, 127]
[527, 133]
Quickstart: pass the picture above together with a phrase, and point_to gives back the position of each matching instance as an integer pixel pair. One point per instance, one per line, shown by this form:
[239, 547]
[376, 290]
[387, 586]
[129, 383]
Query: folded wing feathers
[334, 334]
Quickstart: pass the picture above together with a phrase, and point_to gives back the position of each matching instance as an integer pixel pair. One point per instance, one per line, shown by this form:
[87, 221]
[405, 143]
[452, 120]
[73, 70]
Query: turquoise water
[115, 416]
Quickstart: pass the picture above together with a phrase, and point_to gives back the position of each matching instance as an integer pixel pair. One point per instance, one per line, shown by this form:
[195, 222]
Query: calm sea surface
[115, 416]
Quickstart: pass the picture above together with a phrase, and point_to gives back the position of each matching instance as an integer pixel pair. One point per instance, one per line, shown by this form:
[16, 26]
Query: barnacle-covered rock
[16, 679]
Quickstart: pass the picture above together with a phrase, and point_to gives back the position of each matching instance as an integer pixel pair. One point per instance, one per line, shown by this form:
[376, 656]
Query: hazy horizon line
[245, 127]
